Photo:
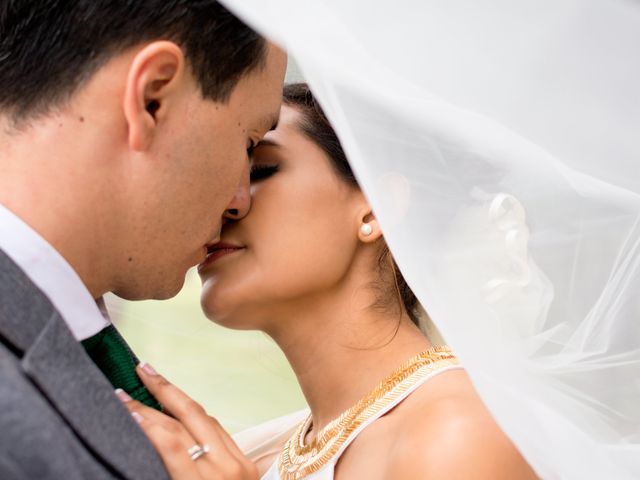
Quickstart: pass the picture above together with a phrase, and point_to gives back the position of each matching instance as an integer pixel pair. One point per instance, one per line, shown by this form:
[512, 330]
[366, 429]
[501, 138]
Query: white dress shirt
[52, 274]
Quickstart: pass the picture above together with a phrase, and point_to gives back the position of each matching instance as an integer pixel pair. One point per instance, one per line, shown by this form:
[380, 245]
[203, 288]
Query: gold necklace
[298, 459]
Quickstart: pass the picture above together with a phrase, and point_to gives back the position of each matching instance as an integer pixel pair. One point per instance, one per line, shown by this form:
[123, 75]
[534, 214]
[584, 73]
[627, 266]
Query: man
[125, 127]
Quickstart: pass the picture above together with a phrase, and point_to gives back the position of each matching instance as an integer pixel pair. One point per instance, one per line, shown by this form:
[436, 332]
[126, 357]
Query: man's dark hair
[48, 48]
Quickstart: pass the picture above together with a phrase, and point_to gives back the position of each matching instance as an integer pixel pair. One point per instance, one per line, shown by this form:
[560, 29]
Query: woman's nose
[241, 202]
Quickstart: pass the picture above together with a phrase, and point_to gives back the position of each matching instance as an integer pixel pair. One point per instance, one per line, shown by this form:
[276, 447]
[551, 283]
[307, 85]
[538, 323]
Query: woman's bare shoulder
[445, 429]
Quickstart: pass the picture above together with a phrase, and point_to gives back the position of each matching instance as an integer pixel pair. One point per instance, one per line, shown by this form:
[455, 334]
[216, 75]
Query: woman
[308, 265]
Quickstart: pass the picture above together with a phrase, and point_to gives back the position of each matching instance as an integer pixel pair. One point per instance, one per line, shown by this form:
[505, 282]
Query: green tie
[112, 355]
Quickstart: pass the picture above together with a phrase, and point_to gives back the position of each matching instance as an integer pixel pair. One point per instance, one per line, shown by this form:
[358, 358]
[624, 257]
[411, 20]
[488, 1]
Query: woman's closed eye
[262, 171]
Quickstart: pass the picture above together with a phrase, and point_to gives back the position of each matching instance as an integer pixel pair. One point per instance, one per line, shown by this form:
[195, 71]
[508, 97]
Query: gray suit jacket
[59, 417]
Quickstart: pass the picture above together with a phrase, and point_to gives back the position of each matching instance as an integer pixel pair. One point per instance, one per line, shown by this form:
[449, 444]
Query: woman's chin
[229, 320]
[230, 306]
[213, 301]
[224, 314]
[212, 309]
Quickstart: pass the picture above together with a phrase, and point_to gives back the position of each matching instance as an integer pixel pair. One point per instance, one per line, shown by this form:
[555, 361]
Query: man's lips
[218, 250]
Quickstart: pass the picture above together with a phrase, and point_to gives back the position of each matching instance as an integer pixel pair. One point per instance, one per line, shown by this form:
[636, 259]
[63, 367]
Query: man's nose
[241, 202]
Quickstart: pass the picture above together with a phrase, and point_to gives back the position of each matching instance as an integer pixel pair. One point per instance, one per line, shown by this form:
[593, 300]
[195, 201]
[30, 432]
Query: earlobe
[156, 73]
[369, 230]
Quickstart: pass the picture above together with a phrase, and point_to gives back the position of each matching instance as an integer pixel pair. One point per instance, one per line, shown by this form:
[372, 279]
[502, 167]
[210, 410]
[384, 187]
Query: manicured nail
[122, 395]
[137, 417]
[148, 368]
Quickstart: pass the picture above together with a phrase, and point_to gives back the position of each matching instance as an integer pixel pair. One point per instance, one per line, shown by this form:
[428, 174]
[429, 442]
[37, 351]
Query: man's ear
[155, 75]
[368, 227]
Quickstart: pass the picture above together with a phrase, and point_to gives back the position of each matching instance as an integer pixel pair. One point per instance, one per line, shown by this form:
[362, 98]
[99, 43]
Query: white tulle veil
[498, 143]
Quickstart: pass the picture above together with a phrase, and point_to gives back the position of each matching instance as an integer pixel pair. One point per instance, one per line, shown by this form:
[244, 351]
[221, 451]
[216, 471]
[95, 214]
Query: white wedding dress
[497, 142]
[264, 441]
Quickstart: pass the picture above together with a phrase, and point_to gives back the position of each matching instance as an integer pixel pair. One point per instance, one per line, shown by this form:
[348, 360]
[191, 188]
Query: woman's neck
[340, 355]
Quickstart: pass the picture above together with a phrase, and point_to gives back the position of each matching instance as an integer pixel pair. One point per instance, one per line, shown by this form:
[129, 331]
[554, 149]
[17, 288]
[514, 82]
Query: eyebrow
[266, 142]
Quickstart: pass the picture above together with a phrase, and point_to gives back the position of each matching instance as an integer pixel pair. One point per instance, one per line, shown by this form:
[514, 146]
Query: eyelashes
[260, 172]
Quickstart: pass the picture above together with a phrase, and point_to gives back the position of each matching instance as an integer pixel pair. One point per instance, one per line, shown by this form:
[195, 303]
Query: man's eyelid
[250, 150]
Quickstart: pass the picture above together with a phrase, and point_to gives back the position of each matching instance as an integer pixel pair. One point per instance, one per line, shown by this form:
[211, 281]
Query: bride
[309, 266]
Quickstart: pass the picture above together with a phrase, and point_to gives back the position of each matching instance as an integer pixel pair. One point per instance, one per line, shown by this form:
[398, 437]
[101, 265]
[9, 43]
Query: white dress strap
[386, 410]
[326, 472]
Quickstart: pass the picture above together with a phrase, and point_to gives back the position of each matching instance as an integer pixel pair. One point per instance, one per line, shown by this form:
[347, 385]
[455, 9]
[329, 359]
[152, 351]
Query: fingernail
[148, 368]
[137, 417]
[122, 395]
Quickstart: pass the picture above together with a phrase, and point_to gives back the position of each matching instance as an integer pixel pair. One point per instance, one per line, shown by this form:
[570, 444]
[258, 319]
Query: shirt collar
[52, 274]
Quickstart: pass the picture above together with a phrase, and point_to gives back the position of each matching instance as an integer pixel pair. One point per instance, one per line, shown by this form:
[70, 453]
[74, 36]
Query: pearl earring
[366, 229]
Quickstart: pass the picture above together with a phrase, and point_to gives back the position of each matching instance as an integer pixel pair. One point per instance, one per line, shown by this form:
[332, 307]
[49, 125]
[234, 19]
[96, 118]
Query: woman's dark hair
[49, 48]
[315, 125]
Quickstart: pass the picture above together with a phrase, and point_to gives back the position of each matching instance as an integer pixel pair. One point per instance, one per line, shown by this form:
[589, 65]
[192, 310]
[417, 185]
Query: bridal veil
[498, 143]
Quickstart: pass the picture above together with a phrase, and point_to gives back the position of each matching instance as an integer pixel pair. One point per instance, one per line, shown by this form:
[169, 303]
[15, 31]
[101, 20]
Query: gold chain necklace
[298, 460]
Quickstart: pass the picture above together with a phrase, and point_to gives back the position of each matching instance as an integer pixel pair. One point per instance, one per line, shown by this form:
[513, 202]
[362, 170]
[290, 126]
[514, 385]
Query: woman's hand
[175, 438]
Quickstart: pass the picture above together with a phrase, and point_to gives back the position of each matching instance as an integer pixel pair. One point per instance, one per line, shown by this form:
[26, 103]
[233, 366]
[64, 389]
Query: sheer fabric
[497, 142]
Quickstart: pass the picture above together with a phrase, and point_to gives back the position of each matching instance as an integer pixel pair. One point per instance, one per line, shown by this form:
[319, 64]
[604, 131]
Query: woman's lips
[216, 252]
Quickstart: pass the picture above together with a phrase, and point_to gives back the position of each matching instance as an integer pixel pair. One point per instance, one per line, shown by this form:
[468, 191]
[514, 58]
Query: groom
[124, 130]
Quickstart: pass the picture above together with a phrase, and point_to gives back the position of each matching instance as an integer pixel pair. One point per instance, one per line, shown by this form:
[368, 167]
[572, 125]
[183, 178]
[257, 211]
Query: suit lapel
[64, 373]
[58, 365]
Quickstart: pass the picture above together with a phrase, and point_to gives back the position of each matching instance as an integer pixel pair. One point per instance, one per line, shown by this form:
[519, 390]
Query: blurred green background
[242, 378]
